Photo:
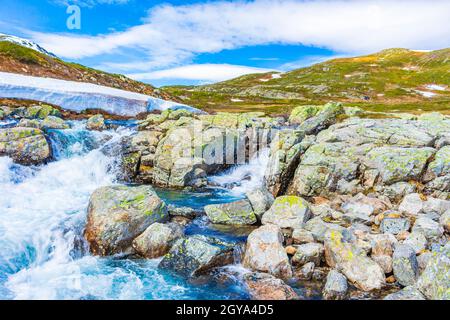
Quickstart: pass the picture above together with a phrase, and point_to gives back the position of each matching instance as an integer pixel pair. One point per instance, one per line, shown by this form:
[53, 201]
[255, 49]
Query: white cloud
[171, 36]
[203, 72]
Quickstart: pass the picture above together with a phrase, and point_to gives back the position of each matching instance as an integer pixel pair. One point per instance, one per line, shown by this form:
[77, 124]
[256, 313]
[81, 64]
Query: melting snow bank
[79, 96]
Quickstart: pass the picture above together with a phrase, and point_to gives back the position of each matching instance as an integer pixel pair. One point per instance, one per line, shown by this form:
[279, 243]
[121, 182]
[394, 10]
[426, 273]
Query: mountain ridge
[394, 79]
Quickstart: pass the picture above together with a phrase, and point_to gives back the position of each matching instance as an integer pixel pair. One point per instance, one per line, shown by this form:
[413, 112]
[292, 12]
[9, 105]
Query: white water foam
[244, 178]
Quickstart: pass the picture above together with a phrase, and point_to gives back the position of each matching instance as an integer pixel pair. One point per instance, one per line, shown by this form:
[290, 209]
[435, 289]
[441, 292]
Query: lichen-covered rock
[399, 164]
[52, 122]
[196, 255]
[236, 213]
[429, 228]
[41, 112]
[186, 212]
[96, 123]
[407, 293]
[261, 200]
[306, 271]
[445, 221]
[405, 265]
[327, 115]
[288, 212]
[265, 252]
[440, 165]
[394, 224]
[157, 239]
[360, 270]
[118, 214]
[302, 236]
[24, 145]
[319, 229]
[413, 205]
[309, 252]
[263, 286]
[335, 286]
[417, 241]
[434, 282]
[300, 114]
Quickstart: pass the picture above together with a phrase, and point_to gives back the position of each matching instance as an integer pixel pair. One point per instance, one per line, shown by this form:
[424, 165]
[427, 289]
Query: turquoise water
[42, 217]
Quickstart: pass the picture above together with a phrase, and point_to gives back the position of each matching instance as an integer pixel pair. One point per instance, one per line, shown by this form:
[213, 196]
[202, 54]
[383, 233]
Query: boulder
[383, 244]
[41, 112]
[96, 123]
[306, 271]
[261, 200]
[118, 214]
[52, 122]
[26, 146]
[265, 253]
[157, 239]
[335, 286]
[309, 252]
[413, 205]
[288, 212]
[263, 286]
[319, 229]
[434, 282]
[384, 261]
[196, 255]
[235, 213]
[394, 224]
[429, 228]
[300, 114]
[407, 293]
[397, 164]
[186, 212]
[405, 265]
[445, 221]
[360, 270]
[327, 115]
[417, 241]
[301, 236]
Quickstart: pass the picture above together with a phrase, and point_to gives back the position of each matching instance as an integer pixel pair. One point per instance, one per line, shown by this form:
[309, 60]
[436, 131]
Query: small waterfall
[244, 178]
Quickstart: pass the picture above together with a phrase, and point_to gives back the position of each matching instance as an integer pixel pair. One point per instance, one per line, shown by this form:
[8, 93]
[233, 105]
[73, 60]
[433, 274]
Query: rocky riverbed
[328, 203]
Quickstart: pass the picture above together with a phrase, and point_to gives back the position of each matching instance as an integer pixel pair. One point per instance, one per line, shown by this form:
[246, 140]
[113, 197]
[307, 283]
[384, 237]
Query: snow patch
[426, 94]
[79, 96]
[236, 100]
[435, 87]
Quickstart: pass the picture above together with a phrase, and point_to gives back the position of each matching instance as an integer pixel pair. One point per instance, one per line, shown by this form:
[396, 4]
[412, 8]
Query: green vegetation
[21, 53]
[390, 80]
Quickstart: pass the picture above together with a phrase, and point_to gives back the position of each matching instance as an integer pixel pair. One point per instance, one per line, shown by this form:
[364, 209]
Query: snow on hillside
[25, 43]
[79, 96]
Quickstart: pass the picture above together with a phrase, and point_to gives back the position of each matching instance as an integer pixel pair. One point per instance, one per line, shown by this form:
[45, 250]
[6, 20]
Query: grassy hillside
[19, 59]
[395, 80]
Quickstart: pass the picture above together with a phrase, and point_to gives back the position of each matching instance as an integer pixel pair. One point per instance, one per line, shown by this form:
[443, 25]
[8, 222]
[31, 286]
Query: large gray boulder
[405, 265]
[335, 286]
[96, 122]
[360, 270]
[157, 239]
[118, 214]
[263, 286]
[309, 252]
[261, 200]
[288, 212]
[434, 282]
[265, 252]
[431, 229]
[235, 213]
[196, 255]
[24, 145]
[407, 293]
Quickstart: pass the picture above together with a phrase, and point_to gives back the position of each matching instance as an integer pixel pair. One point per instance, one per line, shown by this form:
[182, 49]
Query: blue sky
[191, 42]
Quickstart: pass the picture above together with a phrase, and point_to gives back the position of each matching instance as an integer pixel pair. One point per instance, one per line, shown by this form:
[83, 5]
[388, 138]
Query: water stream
[42, 217]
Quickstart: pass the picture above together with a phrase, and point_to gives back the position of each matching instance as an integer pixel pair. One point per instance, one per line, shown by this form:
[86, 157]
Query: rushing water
[42, 216]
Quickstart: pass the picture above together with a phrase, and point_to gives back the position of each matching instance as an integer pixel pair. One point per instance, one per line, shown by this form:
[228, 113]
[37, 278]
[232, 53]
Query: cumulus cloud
[203, 72]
